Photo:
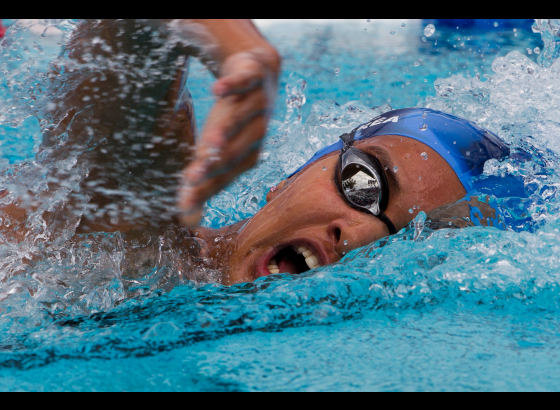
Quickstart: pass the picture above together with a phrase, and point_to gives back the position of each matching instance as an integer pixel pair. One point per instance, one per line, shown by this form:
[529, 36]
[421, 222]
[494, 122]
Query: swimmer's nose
[338, 233]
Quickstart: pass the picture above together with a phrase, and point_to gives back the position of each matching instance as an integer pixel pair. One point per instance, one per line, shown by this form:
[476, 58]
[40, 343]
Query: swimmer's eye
[361, 181]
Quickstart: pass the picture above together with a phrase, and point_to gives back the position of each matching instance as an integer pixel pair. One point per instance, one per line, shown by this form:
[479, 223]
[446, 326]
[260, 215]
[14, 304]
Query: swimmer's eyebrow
[384, 158]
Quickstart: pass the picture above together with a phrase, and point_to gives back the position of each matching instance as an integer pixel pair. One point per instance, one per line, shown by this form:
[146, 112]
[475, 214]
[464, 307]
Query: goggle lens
[362, 187]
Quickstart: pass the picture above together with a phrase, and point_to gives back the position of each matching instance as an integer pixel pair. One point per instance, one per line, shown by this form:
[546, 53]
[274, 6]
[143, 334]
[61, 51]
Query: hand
[231, 140]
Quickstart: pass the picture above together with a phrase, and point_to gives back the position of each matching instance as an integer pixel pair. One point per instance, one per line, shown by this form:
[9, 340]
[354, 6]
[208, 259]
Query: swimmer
[365, 187]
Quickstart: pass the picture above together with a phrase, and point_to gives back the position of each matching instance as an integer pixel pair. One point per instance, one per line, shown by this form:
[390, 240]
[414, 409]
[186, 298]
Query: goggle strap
[347, 140]
[385, 219]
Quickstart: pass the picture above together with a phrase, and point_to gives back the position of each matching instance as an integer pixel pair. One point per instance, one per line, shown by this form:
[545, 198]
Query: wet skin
[308, 210]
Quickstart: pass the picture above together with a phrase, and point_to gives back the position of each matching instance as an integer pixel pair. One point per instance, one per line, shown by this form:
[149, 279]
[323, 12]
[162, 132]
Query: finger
[239, 83]
[218, 161]
[239, 76]
[226, 122]
[191, 198]
[232, 112]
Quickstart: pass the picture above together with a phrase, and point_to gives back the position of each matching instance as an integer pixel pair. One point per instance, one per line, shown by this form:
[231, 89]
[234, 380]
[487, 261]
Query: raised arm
[120, 114]
[247, 71]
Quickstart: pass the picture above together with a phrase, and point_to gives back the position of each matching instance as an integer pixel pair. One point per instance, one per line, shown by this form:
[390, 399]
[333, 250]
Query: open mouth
[293, 259]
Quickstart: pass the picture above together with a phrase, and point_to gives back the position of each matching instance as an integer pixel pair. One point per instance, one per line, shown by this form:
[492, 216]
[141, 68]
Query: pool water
[472, 309]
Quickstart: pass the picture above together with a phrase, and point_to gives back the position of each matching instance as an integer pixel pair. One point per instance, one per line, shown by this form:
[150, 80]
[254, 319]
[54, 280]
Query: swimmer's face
[309, 212]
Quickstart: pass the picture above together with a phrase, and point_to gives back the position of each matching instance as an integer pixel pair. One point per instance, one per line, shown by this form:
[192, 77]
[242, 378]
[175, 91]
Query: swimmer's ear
[275, 190]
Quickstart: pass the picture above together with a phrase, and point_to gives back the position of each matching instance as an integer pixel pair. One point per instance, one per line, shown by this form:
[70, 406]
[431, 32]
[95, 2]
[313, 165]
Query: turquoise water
[472, 309]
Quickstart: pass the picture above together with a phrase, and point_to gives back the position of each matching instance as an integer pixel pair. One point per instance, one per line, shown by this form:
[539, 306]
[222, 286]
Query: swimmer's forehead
[382, 148]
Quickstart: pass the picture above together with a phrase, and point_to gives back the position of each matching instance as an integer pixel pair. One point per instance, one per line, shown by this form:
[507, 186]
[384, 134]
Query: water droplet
[425, 80]
[392, 32]
[343, 253]
[495, 24]
[419, 178]
[529, 51]
[337, 70]
[450, 223]
[345, 243]
[423, 127]
[216, 239]
[6, 223]
[429, 30]
[537, 50]
[515, 30]
[424, 156]
[425, 114]
[374, 72]
[454, 142]
[324, 168]
[395, 168]
[416, 64]
[403, 25]
[410, 211]
[368, 20]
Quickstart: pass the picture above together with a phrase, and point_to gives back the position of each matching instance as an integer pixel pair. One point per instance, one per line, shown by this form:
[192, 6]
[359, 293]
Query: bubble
[537, 50]
[392, 32]
[429, 30]
[416, 64]
[423, 127]
[529, 51]
[410, 211]
[343, 253]
[368, 20]
[495, 24]
[337, 70]
[403, 25]
[324, 168]
[345, 242]
[424, 156]
[374, 72]
[450, 223]
[425, 80]
[419, 178]
[395, 168]
[454, 142]
[515, 30]
[424, 115]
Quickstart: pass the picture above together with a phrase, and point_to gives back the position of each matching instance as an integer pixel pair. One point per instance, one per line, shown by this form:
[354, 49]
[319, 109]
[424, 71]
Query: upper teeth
[310, 258]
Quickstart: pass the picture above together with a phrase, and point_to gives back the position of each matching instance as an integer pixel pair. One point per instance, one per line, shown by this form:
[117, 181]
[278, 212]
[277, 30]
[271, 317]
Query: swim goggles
[362, 182]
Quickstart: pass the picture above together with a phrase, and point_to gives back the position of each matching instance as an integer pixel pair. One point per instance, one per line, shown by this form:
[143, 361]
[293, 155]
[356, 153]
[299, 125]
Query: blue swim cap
[463, 144]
